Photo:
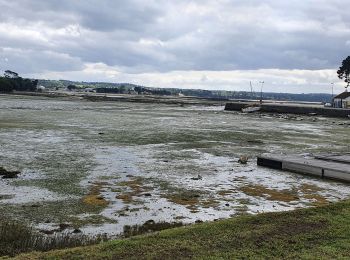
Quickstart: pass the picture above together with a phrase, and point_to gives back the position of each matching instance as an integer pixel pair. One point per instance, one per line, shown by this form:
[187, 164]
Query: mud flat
[102, 166]
[156, 99]
[300, 109]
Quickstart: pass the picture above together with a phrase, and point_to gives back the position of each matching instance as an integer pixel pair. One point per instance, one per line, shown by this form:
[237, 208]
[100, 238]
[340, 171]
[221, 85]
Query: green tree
[71, 87]
[5, 85]
[122, 89]
[12, 81]
[10, 74]
[344, 71]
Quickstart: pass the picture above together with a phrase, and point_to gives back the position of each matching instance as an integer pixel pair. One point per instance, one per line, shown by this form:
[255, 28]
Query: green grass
[314, 233]
[18, 237]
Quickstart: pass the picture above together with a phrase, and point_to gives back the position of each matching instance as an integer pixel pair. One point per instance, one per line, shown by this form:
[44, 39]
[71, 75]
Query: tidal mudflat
[100, 167]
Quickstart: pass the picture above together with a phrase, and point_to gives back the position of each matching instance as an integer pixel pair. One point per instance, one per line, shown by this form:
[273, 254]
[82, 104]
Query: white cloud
[177, 42]
[276, 80]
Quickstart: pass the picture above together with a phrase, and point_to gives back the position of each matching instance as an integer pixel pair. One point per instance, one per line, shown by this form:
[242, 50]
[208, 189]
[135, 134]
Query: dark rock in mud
[255, 142]
[6, 196]
[8, 174]
[147, 194]
[150, 222]
[47, 232]
[100, 198]
[199, 177]
[63, 226]
[76, 231]
[243, 159]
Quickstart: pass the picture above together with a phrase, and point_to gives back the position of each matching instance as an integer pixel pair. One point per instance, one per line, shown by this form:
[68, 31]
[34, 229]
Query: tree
[122, 89]
[10, 74]
[5, 85]
[71, 87]
[12, 81]
[344, 71]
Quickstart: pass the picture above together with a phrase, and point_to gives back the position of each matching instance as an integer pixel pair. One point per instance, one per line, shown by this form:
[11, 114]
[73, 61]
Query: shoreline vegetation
[314, 233]
[11, 82]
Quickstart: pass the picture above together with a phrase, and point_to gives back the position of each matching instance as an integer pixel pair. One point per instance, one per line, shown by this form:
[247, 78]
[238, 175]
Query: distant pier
[291, 108]
[329, 166]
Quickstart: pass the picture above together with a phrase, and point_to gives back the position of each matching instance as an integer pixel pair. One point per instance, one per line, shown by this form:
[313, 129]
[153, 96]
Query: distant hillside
[103, 87]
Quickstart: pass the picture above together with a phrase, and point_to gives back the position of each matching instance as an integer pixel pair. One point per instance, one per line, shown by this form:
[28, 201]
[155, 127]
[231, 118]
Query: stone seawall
[292, 109]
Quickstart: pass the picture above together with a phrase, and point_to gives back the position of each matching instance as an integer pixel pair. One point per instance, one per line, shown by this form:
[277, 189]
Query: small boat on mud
[251, 109]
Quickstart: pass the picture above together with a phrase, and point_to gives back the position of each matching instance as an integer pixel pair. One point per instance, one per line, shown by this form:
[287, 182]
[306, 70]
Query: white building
[89, 90]
[342, 100]
[40, 88]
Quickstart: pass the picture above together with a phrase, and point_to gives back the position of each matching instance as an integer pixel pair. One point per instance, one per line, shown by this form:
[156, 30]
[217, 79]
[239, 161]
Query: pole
[332, 84]
[251, 90]
[332, 89]
[262, 84]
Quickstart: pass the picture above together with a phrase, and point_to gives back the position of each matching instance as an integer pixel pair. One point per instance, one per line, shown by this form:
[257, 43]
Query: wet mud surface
[100, 167]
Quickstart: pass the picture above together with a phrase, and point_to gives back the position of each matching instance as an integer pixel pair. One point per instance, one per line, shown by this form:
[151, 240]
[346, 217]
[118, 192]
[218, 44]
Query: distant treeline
[135, 90]
[127, 88]
[11, 81]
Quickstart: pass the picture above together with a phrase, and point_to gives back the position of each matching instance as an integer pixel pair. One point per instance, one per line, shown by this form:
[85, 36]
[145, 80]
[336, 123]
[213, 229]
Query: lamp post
[332, 84]
[261, 88]
[332, 88]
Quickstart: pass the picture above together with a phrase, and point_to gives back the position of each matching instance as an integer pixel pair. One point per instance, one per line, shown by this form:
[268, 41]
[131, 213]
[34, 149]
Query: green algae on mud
[148, 157]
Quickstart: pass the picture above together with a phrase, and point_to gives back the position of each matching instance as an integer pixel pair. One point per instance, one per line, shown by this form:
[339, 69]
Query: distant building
[132, 92]
[92, 90]
[40, 88]
[342, 100]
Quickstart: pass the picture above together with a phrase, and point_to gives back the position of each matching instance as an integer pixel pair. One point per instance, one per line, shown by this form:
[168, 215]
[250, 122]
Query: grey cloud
[31, 61]
[139, 36]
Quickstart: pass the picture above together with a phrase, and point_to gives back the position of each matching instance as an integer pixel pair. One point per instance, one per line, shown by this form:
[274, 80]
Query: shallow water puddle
[225, 188]
[102, 166]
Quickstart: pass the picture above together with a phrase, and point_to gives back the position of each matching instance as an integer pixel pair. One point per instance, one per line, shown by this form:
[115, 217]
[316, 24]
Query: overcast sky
[293, 46]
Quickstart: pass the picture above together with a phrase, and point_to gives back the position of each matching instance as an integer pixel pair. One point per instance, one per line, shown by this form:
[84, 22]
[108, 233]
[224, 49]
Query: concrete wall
[289, 109]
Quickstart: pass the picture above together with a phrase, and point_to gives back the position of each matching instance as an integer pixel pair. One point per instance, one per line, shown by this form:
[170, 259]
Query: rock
[150, 222]
[227, 205]
[243, 159]
[47, 232]
[76, 231]
[199, 177]
[8, 174]
[198, 221]
[101, 133]
[147, 194]
[63, 226]
[255, 141]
